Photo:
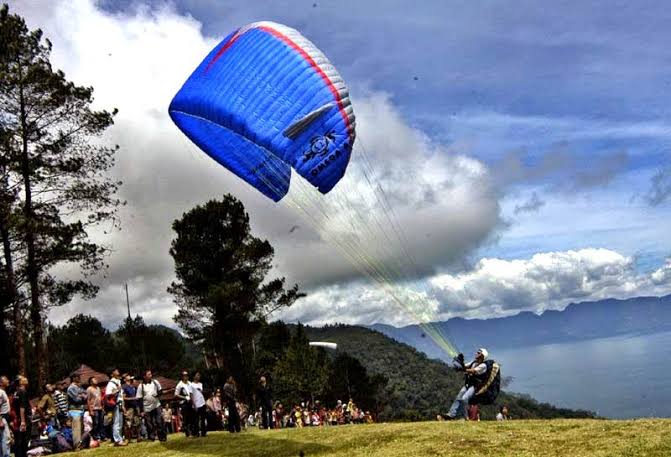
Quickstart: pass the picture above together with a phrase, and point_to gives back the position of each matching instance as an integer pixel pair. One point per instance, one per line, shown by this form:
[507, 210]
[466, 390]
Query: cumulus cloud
[138, 59]
[545, 281]
[494, 287]
[445, 203]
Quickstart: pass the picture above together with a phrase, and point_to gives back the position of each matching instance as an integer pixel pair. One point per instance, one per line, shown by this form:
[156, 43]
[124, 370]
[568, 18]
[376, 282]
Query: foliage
[390, 379]
[271, 343]
[83, 339]
[51, 151]
[302, 373]
[222, 293]
[133, 347]
[350, 379]
[140, 346]
[419, 387]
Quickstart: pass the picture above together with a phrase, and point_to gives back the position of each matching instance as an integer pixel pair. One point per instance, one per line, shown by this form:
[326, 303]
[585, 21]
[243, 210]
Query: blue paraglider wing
[266, 100]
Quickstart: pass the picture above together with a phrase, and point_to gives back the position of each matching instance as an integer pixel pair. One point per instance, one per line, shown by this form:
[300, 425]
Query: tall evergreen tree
[350, 379]
[222, 293]
[303, 372]
[82, 339]
[56, 157]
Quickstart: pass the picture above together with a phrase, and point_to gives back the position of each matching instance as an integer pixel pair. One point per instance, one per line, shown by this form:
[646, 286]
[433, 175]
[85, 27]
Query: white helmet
[484, 353]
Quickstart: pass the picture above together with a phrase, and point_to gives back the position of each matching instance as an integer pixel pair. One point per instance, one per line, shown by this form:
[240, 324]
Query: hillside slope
[555, 438]
[419, 387]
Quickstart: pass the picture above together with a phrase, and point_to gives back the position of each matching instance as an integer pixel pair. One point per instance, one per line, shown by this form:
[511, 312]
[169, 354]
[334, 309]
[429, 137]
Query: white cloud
[545, 281]
[443, 200]
[494, 287]
[137, 60]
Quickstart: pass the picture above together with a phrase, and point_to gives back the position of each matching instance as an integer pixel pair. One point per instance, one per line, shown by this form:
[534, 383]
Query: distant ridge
[578, 321]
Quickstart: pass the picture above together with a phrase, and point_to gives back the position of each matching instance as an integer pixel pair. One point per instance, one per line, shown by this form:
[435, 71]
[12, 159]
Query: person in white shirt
[474, 369]
[113, 388]
[199, 406]
[149, 393]
[503, 414]
[4, 417]
[183, 394]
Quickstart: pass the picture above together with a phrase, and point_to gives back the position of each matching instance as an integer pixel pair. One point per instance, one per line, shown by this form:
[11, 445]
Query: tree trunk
[11, 294]
[32, 269]
[10, 286]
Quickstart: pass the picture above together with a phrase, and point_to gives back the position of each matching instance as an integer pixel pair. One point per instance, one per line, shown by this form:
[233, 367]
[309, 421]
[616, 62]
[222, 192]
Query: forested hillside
[419, 387]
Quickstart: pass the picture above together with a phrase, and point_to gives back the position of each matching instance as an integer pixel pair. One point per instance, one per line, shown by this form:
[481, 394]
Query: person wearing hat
[474, 370]
[132, 421]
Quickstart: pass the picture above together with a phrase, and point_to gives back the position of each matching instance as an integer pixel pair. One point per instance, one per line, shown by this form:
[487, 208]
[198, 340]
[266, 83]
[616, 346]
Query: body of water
[619, 377]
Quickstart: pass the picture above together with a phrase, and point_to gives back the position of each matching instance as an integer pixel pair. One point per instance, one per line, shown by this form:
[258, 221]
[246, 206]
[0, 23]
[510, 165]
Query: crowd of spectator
[312, 414]
[77, 415]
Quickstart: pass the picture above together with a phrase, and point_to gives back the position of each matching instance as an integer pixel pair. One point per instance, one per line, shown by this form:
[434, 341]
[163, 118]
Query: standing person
[230, 393]
[218, 410]
[212, 415]
[76, 402]
[95, 408]
[264, 395]
[183, 394]
[167, 419]
[149, 393]
[132, 422]
[4, 417]
[24, 417]
[114, 393]
[61, 400]
[47, 405]
[349, 410]
[199, 407]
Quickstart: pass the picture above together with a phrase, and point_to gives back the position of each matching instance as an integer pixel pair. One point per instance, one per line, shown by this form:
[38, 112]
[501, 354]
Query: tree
[82, 339]
[349, 379]
[54, 155]
[221, 291]
[9, 200]
[303, 371]
[271, 343]
[140, 346]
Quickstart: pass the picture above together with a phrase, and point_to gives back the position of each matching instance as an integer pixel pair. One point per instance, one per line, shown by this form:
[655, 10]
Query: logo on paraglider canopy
[319, 146]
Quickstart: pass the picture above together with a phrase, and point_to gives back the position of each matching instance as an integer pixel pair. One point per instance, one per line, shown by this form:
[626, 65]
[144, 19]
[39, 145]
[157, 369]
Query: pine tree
[302, 373]
[221, 291]
[56, 157]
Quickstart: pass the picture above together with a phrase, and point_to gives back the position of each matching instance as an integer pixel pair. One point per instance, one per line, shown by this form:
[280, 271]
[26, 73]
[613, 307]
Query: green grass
[546, 438]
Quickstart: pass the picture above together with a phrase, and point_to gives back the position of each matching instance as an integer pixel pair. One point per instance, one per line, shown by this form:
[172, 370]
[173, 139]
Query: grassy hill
[418, 387]
[568, 437]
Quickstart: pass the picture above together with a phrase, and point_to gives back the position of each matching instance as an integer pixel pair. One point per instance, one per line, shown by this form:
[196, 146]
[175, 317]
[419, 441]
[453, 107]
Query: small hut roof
[85, 372]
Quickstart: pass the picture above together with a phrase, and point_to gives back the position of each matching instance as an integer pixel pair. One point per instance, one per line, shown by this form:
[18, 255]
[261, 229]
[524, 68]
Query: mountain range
[578, 321]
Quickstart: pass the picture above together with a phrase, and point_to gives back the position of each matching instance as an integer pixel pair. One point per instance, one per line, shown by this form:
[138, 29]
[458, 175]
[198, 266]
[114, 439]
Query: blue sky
[553, 118]
[590, 78]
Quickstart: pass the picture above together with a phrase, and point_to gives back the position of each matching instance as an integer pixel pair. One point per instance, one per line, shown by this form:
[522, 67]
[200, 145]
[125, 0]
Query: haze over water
[617, 377]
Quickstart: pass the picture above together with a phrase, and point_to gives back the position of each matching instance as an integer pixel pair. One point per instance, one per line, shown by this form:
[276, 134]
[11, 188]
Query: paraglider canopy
[324, 344]
[266, 101]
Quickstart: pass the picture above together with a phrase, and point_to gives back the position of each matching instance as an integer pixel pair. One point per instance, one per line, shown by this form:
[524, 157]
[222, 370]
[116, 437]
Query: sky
[524, 147]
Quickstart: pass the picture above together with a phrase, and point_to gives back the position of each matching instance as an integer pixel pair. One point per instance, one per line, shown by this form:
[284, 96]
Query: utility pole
[127, 301]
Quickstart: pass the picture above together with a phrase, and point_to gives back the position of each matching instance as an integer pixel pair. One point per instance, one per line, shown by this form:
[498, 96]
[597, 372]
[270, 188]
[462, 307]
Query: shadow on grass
[249, 444]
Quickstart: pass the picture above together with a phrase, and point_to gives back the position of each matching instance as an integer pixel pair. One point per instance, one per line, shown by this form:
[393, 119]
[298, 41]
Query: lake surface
[619, 377]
